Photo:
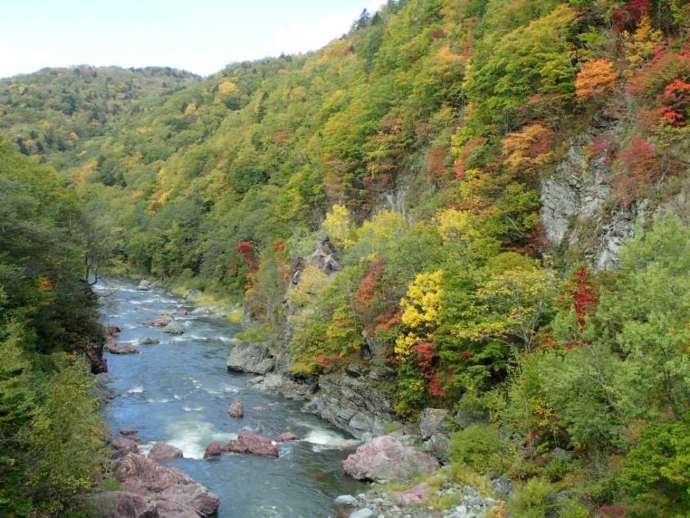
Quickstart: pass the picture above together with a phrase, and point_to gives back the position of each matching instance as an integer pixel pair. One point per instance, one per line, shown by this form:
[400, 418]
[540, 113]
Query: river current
[178, 392]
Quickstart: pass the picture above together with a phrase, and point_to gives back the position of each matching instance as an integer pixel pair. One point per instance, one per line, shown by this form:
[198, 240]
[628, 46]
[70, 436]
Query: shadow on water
[178, 392]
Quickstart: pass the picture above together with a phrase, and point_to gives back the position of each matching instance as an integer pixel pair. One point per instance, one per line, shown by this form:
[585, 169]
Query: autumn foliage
[595, 78]
[246, 250]
[528, 149]
[640, 167]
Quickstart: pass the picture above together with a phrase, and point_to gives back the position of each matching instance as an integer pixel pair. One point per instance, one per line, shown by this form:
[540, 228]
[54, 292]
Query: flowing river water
[178, 392]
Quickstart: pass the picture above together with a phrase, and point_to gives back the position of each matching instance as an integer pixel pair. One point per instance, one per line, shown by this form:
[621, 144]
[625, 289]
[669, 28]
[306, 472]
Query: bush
[479, 447]
[533, 500]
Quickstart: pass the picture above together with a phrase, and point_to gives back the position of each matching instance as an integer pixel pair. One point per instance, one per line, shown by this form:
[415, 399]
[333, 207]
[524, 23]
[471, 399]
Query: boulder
[162, 452]
[250, 357]
[113, 348]
[150, 341]
[124, 446]
[236, 409]
[363, 513]
[140, 475]
[352, 404]
[112, 331]
[122, 504]
[416, 495]
[286, 437]
[253, 443]
[161, 321]
[346, 500]
[385, 458]
[438, 446]
[144, 285]
[214, 450]
[132, 433]
[431, 421]
[174, 328]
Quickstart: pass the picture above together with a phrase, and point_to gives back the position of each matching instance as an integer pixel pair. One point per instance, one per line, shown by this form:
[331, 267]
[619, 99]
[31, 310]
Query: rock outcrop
[162, 452]
[250, 357]
[351, 403]
[168, 490]
[386, 459]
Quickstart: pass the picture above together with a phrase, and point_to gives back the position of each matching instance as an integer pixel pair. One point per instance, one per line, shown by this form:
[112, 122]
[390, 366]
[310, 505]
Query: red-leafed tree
[628, 17]
[639, 168]
[246, 250]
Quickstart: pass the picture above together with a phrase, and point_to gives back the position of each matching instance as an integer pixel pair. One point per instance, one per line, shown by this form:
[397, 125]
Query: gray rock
[250, 357]
[174, 328]
[438, 445]
[150, 341]
[385, 458]
[363, 513]
[352, 404]
[346, 500]
[502, 487]
[326, 257]
[144, 285]
[431, 421]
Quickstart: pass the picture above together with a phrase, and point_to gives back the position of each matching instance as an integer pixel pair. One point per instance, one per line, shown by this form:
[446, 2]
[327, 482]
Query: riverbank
[178, 391]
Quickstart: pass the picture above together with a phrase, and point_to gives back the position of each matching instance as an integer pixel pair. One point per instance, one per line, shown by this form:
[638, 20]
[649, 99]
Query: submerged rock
[236, 409]
[250, 442]
[150, 341]
[250, 357]
[169, 488]
[162, 452]
[286, 437]
[385, 458]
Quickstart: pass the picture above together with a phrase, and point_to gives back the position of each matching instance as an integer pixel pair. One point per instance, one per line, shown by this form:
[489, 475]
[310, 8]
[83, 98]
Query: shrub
[533, 500]
[480, 447]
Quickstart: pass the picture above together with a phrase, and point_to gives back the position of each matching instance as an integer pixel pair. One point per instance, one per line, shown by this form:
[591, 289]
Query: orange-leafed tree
[527, 150]
[596, 77]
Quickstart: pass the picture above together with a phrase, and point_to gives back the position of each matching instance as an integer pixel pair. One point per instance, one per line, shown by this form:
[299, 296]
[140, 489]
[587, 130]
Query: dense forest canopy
[419, 144]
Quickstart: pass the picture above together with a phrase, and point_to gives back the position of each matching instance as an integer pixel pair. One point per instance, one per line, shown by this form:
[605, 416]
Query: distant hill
[54, 112]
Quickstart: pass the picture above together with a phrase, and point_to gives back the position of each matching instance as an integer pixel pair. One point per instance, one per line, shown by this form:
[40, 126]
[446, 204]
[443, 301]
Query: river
[178, 392]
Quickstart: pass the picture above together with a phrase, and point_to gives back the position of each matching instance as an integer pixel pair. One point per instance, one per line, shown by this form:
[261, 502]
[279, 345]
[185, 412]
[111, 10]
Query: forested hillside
[496, 191]
[59, 113]
[50, 432]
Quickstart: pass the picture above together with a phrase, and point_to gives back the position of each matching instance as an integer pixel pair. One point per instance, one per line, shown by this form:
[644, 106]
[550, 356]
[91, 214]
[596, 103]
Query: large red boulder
[385, 458]
[162, 452]
[250, 442]
[170, 487]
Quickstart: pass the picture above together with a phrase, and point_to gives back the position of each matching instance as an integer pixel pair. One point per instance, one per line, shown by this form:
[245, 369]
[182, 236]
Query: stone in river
[162, 452]
[140, 475]
[253, 443]
[214, 450]
[124, 446]
[286, 437]
[174, 328]
[113, 348]
[236, 409]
